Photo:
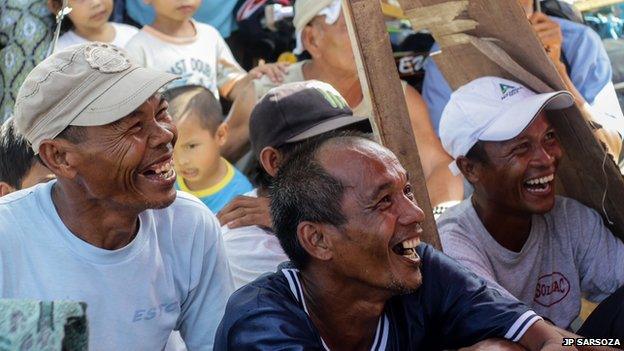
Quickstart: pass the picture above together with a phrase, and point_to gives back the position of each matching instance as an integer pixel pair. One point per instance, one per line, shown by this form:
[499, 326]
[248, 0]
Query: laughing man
[543, 249]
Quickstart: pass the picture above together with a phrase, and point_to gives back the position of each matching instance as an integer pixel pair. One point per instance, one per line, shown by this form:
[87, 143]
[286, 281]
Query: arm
[245, 211]
[436, 91]
[275, 72]
[441, 184]
[238, 124]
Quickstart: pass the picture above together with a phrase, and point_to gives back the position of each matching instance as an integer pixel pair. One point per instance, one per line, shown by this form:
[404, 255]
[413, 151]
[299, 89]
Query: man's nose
[410, 212]
[546, 156]
[162, 133]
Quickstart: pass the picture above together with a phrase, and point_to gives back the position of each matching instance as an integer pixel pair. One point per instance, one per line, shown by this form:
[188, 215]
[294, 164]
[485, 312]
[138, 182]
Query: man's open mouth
[160, 171]
[539, 185]
[407, 249]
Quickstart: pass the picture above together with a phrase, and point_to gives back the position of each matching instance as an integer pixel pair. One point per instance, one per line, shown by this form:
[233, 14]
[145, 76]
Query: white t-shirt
[569, 252]
[173, 275]
[123, 34]
[204, 59]
[252, 251]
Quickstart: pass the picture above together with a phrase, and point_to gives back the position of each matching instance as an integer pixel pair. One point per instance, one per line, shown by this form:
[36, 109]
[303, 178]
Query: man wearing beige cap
[111, 230]
[322, 32]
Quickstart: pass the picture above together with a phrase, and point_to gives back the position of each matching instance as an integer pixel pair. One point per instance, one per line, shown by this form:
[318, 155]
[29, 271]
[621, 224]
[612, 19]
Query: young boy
[197, 160]
[88, 21]
[19, 168]
[196, 51]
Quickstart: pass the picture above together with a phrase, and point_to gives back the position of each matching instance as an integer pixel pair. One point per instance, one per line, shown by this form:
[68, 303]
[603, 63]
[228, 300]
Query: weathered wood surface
[583, 172]
[381, 84]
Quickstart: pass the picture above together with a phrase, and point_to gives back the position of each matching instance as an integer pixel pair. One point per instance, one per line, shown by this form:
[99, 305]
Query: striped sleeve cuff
[520, 326]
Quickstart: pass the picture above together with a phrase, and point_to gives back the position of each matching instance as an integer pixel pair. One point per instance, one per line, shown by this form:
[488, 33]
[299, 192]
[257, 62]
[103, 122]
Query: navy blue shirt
[452, 308]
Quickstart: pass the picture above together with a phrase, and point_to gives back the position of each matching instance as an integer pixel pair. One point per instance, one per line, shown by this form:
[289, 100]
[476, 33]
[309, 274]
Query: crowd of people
[279, 223]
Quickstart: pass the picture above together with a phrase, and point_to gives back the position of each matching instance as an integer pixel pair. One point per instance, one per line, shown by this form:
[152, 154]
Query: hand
[494, 345]
[275, 71]
[244, 211]
[549, 34]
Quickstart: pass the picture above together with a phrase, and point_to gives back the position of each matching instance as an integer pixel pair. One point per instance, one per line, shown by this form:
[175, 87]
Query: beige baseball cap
[89, 84]
[306, 10]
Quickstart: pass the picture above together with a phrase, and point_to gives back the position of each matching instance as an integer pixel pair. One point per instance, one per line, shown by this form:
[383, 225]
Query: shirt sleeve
[436, 91]
[464, 309]
[228, 70]
[258, 320]
[597, 252]
[211, 287]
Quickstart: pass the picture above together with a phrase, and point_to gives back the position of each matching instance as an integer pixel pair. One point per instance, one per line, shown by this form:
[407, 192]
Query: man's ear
[313, 239]
[310, 40]
[5, 189]
[58, 156]
[270, 159]
[221, 134]
[469, 168]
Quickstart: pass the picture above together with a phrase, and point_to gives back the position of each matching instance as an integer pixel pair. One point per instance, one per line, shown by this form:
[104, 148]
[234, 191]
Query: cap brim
[329, 125]
[123, 97]
[518, 116]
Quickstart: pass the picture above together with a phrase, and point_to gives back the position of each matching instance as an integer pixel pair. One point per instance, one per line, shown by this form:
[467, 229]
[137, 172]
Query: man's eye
[550, 136]
[136, 128]
[409, 192]
[521, 148]
[384, 202]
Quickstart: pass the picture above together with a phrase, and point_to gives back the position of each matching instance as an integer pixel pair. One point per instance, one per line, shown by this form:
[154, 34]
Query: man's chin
[407, 285]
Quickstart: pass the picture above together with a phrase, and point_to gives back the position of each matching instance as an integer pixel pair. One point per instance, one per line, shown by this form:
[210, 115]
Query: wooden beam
[381, 84]
[586, 173]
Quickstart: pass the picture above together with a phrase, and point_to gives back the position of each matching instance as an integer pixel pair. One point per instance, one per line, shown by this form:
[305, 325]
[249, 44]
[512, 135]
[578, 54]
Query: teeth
[165, 167]
[542, 180]
[410, 244]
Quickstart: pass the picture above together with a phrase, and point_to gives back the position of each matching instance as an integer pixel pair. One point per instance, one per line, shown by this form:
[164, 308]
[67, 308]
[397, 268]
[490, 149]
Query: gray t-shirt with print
[569, 252]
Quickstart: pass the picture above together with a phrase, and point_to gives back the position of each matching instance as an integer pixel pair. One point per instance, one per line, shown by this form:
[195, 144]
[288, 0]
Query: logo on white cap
[508, 90]
[106, 58]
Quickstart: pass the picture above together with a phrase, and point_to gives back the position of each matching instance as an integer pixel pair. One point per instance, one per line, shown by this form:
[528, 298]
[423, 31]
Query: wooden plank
[381, 84]
[584, 172]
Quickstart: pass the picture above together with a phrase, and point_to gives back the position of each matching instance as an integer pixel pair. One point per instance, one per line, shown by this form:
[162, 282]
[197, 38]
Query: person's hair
[196, 101]
[74, 134]
[304, 191]
[477, 153]
[16, 156]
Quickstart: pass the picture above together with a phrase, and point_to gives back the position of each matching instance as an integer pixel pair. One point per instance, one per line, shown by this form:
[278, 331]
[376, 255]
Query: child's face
[90, 14]
[178, 10]
[196, 153]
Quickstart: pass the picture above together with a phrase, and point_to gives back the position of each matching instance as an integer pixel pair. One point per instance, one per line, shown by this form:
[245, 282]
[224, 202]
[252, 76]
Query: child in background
[201, 132]
[19, 168]
[196, 51]
[89, 22]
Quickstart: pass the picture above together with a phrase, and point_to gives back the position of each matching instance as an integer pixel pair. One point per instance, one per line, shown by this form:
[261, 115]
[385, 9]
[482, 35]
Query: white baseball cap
[492, 109]
[306, 10]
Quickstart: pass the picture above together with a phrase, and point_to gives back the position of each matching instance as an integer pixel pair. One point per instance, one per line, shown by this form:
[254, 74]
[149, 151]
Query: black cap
[297, 111]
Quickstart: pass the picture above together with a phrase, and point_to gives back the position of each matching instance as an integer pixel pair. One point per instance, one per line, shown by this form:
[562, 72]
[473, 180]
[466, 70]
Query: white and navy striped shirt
[453, 308]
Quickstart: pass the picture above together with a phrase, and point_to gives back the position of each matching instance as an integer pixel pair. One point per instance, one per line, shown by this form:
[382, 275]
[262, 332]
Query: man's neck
[346, 82]
[97, 224]
[511, 230]
[345, 314]
[105, 34]
[174, 28]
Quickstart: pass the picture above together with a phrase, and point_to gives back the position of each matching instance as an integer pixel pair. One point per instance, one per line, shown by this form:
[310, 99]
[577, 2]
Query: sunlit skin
[501, 198]
[89, 18]
[106, 180]
[196, 154]
[38, 173]
[172, 16]
[354, 270]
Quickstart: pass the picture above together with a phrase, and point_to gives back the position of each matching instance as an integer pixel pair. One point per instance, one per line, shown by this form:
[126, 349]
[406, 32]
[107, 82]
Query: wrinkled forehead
[363, 167]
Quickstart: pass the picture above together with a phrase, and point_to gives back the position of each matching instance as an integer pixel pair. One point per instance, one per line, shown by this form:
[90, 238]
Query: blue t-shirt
[452, 308]
[590, 69]
[217, 13]
[217, 196]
